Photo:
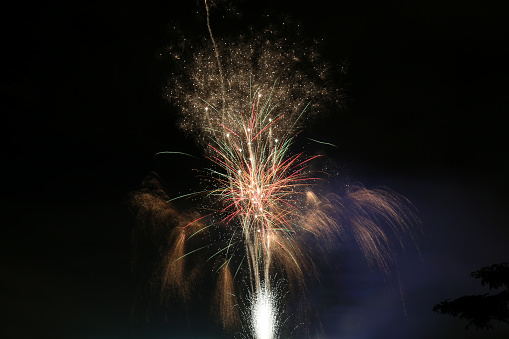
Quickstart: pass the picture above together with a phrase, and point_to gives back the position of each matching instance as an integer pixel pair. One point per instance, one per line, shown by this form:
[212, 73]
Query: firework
[245, 103]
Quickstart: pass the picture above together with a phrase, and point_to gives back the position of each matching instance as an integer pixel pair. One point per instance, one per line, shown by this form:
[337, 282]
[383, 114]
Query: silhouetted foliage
[481, 310]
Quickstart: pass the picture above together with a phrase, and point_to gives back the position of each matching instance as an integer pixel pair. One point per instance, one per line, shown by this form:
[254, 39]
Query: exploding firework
[245, 102]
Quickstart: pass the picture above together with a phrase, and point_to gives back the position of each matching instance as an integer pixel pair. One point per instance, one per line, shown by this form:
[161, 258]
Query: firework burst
[245, 102]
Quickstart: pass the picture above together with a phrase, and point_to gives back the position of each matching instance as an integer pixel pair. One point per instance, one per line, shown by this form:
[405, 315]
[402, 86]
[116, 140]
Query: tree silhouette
[481, 310]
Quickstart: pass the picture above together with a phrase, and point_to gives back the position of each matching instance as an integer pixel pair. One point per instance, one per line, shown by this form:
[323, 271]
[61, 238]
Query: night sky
[426, 87]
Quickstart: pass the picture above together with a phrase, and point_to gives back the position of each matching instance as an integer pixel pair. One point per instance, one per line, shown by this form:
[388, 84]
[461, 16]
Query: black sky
[83, 116]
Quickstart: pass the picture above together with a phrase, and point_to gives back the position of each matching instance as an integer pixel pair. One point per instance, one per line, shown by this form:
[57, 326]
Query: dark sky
[83, 116]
